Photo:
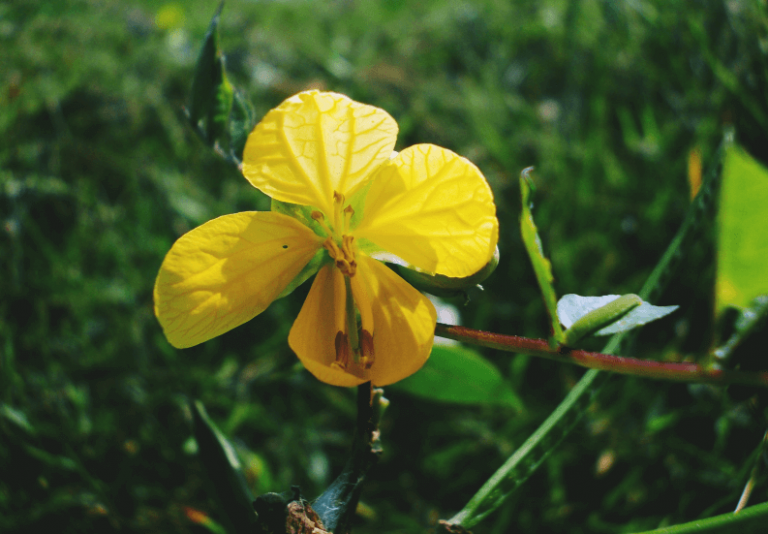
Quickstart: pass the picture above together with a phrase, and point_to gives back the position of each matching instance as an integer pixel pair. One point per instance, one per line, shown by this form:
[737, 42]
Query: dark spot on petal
[285, 246]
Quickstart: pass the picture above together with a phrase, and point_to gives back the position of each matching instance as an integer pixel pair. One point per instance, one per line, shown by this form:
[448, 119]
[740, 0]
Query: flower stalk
[678, 372]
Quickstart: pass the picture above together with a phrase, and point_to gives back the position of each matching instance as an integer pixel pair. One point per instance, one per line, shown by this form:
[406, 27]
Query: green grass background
[99, 174]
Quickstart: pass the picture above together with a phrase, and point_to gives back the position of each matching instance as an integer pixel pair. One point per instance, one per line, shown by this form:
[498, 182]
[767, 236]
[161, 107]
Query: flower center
[339, 244]
[354, 318]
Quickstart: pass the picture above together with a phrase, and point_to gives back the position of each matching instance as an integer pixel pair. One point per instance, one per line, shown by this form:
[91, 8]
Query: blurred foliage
[99, 174]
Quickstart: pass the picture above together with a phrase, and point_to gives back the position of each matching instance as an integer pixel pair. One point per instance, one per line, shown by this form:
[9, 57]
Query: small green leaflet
[632, 313]
[539, 261]
[460, 375]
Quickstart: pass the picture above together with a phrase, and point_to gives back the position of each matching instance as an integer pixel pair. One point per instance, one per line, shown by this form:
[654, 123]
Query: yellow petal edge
[403, 321]
[434, 209]
[314, 144]
[227, 271]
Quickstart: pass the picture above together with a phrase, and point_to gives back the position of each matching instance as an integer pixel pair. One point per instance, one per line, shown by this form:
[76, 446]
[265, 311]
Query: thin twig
[679, 372]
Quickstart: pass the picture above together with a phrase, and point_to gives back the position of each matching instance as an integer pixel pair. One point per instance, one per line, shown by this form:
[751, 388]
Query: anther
[342, 351]
[348, 213]
[366, 349]
[320, 218]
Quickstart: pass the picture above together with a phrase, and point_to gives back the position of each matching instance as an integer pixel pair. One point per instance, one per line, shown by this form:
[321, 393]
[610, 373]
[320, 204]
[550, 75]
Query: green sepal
[303, 214]
[446, 286]
[605, 315]
[320, 258]
[222, 466]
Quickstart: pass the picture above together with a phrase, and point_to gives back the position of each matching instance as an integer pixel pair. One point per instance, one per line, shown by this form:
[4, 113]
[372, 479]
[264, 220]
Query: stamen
[366, 349]
[320, 218]
[342, 351]
[343, 257]
[348, 213]
[363, 304]
[338, 202]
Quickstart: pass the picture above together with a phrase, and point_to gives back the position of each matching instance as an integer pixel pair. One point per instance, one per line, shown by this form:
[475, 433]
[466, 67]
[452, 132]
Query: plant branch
[337, 505]
[679, 372]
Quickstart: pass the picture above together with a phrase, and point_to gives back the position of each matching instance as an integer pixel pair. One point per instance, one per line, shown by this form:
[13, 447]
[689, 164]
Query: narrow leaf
[212, 94]
[573, 309]
[541, 265]
[205, 72]
[742, 252]
[221, 102]
[460, 375]
[748, 521]
[227, 483]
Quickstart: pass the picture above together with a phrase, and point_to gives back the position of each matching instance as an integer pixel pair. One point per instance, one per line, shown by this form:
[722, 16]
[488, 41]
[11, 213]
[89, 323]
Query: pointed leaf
[572, 308]
[742, 252]
[539, 261]
[212, 94]
[205, 72]
[221, 106]
[227, 483]
[457, 374]
[751, 520]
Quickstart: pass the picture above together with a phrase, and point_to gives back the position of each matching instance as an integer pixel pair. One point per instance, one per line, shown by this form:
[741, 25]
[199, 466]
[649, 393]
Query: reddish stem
[679, 372]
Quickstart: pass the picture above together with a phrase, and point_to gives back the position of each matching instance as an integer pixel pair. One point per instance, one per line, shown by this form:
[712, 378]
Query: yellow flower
[341, 199]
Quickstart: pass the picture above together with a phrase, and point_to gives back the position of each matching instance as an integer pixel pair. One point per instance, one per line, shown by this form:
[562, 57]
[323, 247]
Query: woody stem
[679, 372]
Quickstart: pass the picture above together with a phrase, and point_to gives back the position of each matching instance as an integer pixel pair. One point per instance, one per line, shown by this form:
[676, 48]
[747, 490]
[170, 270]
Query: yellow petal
[314, 144]
[434, 209]
[404, 323]
[227, 271]
[313, 334]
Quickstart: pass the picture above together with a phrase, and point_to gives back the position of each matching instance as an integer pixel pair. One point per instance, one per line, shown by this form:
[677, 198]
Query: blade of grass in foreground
[748, 521]
[521, 465]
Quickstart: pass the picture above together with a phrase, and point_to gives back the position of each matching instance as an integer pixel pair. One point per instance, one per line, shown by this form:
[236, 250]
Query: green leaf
[748, 521]
[212, 94]
[227, 483]
[16, 417]
[241, 122]
[606, 315]
[222, 97]
[742, 252]
[460, 375]
[320, 258]
[541, 265]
